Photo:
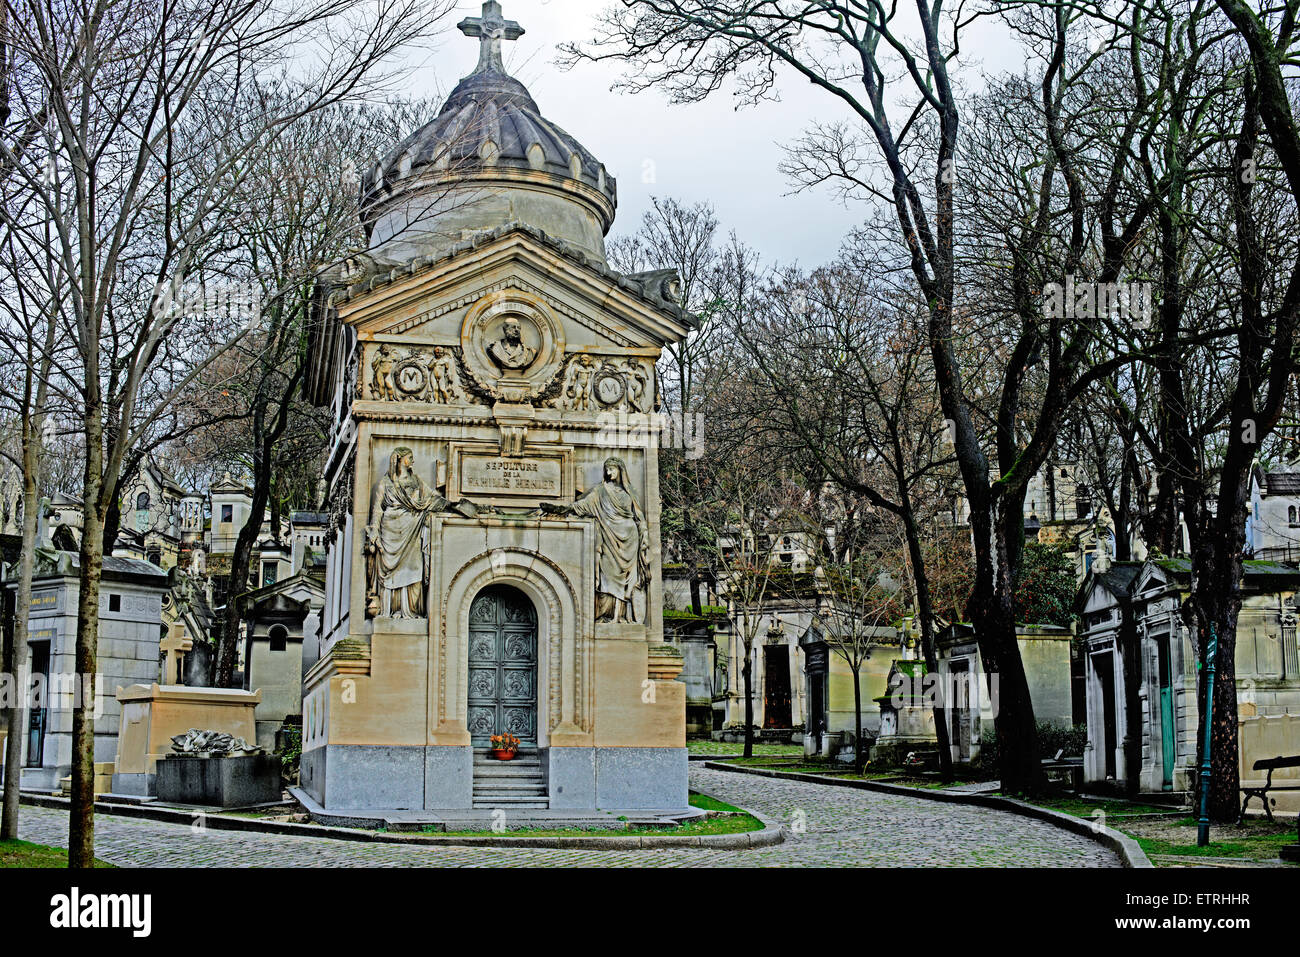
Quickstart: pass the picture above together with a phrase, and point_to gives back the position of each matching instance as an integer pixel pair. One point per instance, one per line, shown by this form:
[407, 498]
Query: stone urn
[664, 662]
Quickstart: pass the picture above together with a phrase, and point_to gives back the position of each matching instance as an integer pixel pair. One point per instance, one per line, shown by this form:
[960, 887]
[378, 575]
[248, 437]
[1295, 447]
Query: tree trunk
[746, 672]
[1017, 733]
[81, 822]
[112, 520]
[993, 615]
[275, 502]
[228, 640]
[925, 613]
[1225, 775]
[18, 715]
[857, 718]
[1123, 550]
[1219, 604]
[265, 438]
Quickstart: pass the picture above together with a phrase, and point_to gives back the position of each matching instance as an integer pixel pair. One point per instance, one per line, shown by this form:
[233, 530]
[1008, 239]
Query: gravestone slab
[219, 781]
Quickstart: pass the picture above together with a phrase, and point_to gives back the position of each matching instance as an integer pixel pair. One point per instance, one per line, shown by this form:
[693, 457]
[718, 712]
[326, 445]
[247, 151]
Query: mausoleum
[493, 542]
[130, 624]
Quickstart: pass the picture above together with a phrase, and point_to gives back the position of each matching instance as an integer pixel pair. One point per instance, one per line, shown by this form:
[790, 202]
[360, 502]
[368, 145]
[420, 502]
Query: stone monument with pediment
[494, 556]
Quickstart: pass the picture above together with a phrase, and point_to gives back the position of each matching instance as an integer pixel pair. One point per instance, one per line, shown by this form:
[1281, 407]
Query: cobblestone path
[834, 826]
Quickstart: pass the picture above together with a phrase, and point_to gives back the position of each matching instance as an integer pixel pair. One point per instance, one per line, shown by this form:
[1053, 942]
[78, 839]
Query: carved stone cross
[175, 645]
[491, 29]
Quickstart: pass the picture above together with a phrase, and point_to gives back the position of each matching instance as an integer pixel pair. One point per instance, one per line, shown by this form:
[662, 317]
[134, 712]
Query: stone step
[516, 762]
[511, 802]
[516, 774]
[515, 784]
[534, 792]
[508, 780]
[492, 800]
[508, 771]
[519, 758]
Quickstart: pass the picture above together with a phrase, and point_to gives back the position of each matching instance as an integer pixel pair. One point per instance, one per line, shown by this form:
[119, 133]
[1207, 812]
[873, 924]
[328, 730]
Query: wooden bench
[1072, 767]
[1261, 790]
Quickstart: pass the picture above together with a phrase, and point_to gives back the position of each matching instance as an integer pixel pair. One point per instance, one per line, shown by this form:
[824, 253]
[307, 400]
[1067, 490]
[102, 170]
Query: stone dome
[488, 158]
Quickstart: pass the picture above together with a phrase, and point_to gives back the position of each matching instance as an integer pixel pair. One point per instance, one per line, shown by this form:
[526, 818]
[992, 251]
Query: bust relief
[509, 350]
[512, 344]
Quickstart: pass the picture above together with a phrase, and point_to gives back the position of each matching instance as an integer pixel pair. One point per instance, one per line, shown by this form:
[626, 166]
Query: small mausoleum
[130, 627]
[493, 550]
[1141, 671]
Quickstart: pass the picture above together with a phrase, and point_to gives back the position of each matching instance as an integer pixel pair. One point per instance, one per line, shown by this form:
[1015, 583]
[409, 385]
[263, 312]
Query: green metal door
[1166, 714]
[502, 666]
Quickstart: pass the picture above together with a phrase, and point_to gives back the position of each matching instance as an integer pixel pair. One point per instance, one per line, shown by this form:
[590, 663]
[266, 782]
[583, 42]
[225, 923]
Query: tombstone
[692, 637]
[151, 713]
[215, 769]
[494, 555]
[198, 665]
[174, 647]
[816, 693]
[906, 716]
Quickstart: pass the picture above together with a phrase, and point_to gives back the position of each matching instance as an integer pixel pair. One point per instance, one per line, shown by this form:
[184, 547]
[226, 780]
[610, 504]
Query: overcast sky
[708, 151]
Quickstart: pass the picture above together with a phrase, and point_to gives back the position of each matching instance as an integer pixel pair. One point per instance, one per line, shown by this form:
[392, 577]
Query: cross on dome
[491, 29]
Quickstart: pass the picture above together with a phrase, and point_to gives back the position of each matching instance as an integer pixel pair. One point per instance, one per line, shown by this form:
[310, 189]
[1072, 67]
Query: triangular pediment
[427, 301]
[1095, 595]
[1152, 578]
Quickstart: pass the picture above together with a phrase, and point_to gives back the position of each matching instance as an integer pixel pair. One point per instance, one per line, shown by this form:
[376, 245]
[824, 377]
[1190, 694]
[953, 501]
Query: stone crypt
[494, 556]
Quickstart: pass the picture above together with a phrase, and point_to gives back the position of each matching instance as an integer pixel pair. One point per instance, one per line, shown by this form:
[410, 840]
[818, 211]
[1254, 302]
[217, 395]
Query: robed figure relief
[397, 539]
[623, 546]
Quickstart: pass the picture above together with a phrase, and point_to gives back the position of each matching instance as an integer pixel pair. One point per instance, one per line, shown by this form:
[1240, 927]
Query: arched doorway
[502, 666]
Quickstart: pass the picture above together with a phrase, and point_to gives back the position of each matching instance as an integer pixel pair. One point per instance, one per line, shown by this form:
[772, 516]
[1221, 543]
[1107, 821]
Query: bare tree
[860, 598]
[28, 333]
[304, 178]
[845, 392]
[685, 238]
[743, 502]
[1217, 124]
[159, 111]
[882, 71]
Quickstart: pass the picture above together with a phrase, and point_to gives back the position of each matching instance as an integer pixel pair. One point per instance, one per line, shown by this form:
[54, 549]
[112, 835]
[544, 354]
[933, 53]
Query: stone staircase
[518, 783]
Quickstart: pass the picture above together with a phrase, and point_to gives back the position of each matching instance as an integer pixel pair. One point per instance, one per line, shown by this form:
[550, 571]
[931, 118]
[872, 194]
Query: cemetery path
[840, 827]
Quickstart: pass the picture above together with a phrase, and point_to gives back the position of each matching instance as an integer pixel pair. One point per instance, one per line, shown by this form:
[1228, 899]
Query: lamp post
[1203, 825]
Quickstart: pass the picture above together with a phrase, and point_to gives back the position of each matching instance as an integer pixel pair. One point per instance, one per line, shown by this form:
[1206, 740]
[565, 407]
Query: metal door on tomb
[502, 666]
[1166, 713]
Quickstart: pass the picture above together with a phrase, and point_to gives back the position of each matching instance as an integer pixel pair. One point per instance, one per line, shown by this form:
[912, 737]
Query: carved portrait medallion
[512, 344]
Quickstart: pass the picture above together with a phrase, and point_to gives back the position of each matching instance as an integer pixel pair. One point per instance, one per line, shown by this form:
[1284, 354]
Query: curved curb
[772, 832]
[1128, 850]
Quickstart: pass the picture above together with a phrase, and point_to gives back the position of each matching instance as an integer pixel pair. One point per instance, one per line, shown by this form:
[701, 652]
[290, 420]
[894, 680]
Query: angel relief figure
[397, 539]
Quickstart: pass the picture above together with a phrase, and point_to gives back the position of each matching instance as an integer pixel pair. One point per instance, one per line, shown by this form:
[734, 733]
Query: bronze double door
[502, 666]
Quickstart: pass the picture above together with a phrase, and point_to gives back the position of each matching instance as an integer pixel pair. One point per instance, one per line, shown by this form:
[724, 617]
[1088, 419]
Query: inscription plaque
[482, 474]
[499, 475]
